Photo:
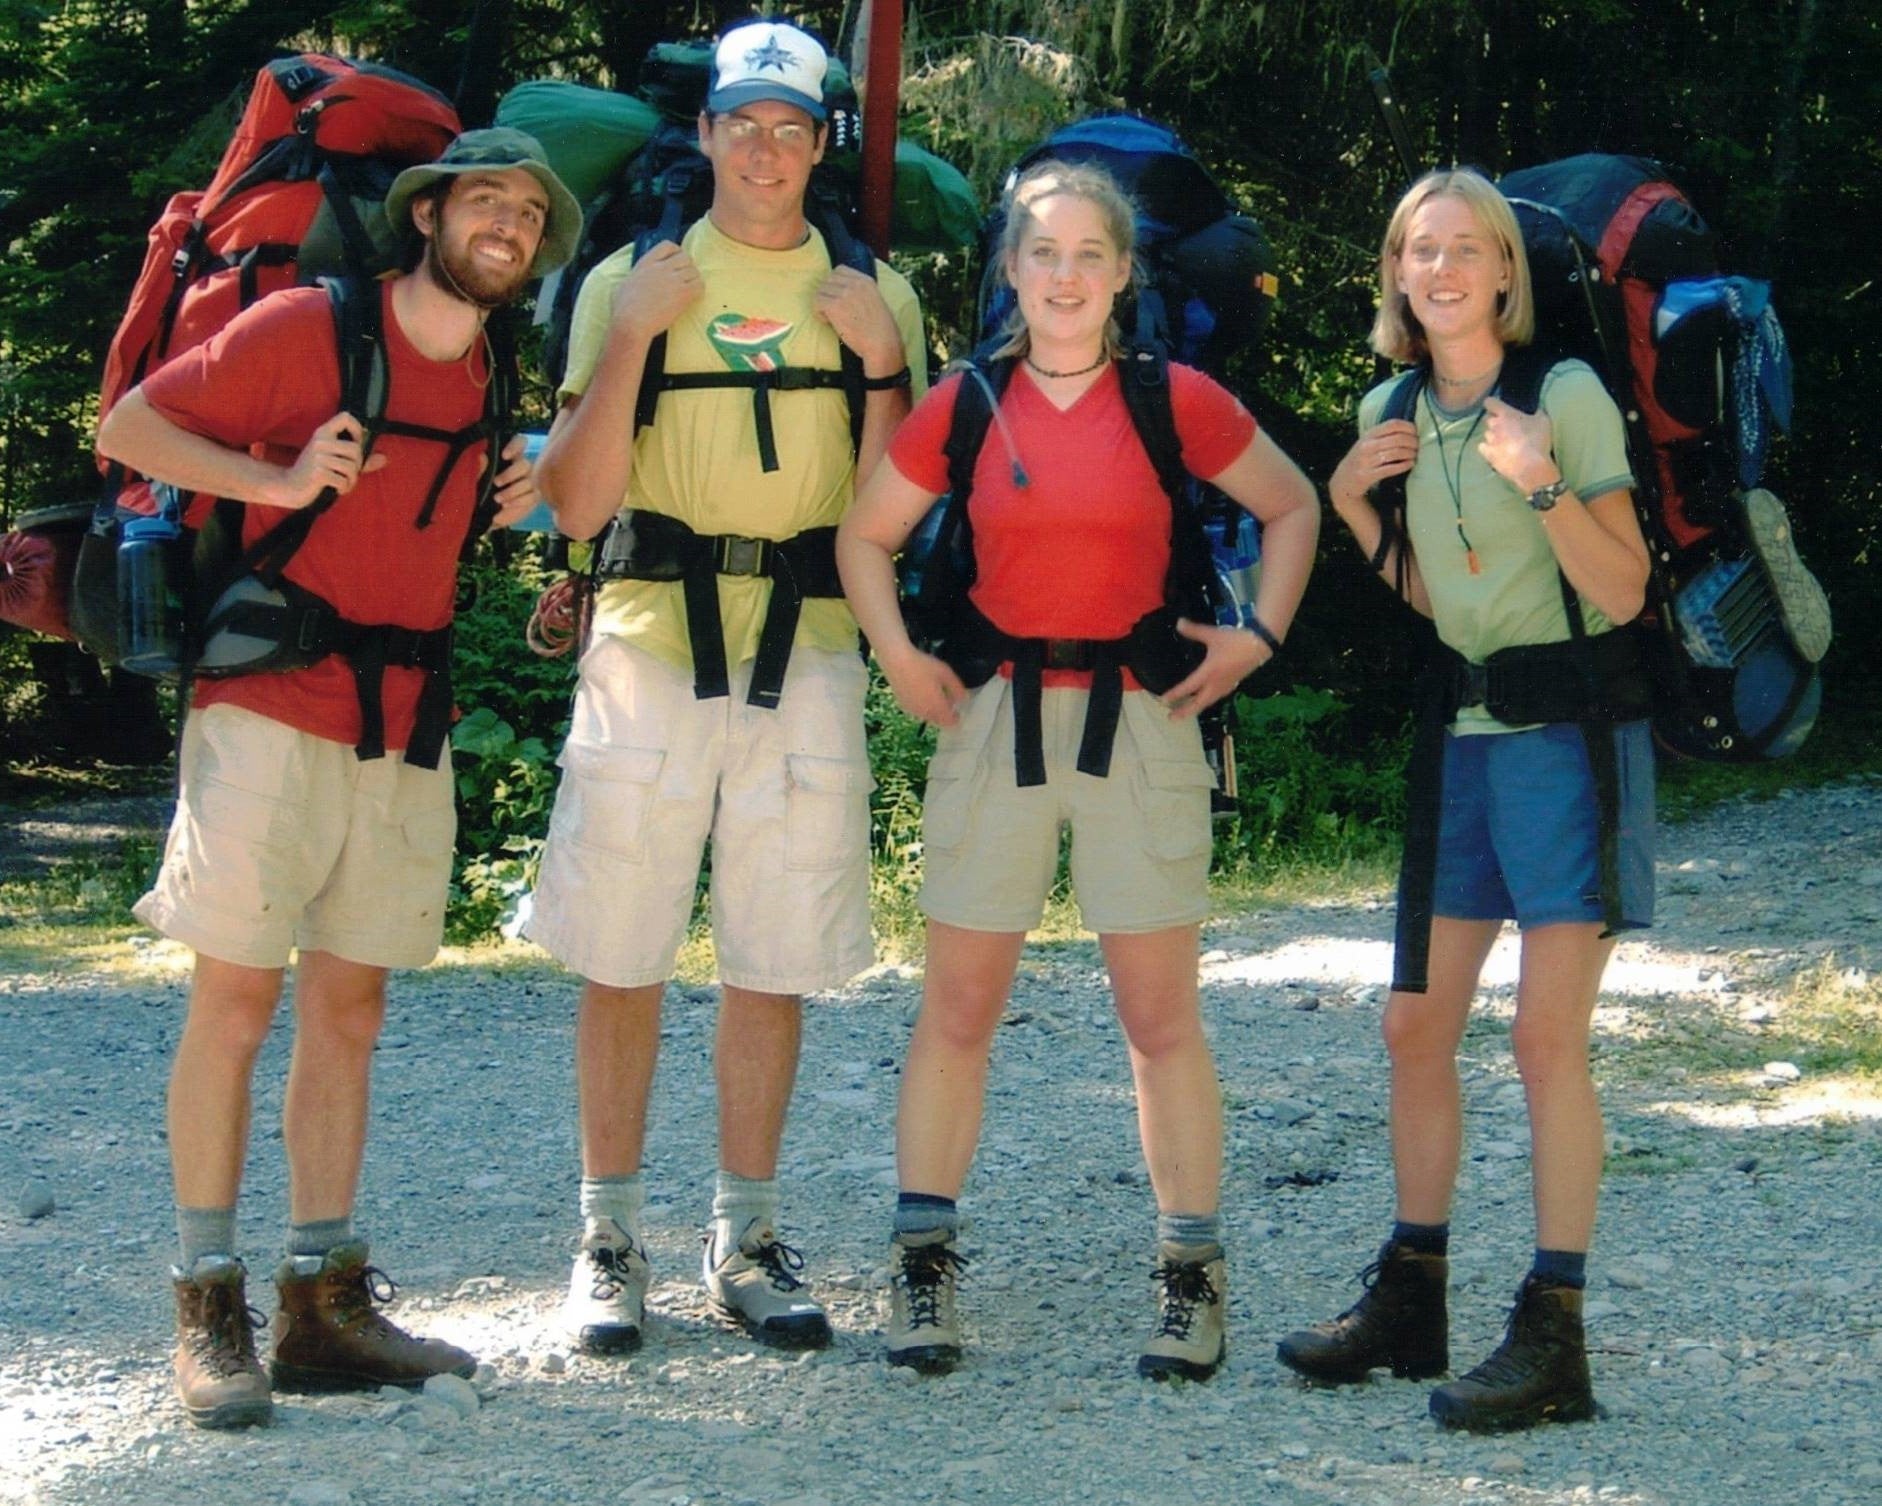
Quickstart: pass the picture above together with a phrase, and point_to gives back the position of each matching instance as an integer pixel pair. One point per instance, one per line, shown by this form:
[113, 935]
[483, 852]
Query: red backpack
[299, 195]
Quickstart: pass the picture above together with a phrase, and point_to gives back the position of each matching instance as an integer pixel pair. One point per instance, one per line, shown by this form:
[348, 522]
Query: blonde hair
[1396, 332]
[1077, 180]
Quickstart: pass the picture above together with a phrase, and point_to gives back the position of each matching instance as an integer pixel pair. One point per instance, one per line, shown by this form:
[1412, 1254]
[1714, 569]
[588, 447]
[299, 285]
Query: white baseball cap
[768, 60]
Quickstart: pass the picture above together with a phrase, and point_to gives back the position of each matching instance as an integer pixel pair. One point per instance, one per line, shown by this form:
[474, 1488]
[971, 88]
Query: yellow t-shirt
[1516, 598]
[698, 460]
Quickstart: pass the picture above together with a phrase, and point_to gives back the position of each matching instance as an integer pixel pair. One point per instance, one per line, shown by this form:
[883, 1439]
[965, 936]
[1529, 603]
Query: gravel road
[1735, 1304]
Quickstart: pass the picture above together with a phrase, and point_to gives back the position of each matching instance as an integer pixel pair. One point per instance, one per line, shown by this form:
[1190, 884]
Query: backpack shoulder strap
[359, 346]
[498, 421]
[359, 339]
[671, 226]
[1525, 369]
[1191, 584]
[983, 384]
[846, 250]
[1388, 497]
[1144, 377]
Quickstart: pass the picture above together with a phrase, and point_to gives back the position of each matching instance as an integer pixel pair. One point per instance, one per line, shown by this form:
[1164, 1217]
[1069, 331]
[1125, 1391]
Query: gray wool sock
[1189, 1229]
[318, 1236]
[203, 1231]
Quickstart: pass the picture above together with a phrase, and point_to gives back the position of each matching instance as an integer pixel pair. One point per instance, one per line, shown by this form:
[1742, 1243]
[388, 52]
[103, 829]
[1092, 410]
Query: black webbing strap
[844, 250]
[762, 384]
[981, 642]
[368, 651]
[645, 545]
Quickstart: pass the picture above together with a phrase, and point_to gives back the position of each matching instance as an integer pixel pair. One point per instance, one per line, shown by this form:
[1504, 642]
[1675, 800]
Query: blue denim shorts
[1519, 837]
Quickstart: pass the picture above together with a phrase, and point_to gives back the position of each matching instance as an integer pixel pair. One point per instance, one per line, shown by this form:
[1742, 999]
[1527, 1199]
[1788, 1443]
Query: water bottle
[150, 617]
[918, 551]
[1235, 543]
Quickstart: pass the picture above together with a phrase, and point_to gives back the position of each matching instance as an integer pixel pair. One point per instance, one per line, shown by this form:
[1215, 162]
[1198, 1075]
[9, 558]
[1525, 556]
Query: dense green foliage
[1770, 114]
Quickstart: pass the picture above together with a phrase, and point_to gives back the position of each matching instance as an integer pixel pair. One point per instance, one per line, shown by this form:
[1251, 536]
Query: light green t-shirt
[698, 461]
[1516, 596]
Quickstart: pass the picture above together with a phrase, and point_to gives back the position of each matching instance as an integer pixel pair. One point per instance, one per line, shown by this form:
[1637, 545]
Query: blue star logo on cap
[771, 55]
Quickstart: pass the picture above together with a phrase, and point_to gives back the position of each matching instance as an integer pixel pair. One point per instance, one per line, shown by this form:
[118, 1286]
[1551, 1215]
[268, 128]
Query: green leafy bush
[1312, 787]
[516, 713]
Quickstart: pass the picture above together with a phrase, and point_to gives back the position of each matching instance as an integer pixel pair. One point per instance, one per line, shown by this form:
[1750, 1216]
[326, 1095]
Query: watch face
[1545, 497]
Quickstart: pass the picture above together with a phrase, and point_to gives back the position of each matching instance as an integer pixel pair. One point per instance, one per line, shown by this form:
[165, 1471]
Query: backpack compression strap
[845, 251]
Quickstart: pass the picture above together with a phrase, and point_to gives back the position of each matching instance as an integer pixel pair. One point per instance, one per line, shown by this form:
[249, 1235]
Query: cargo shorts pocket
[1174, 797]
[826, 812]
[948, 801]
[606, 796]
[252, 818]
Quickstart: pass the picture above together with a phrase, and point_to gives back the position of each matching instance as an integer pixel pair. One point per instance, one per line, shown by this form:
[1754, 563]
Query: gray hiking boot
[754, 1282]
[607, 1302]
[924, 1327]
[1800, 600]
[219, 1380]
[1190, 1339]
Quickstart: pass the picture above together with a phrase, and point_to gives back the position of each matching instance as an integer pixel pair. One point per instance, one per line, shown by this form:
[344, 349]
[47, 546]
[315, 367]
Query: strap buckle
[1068, 653]
[1473, 684]
[734, 554]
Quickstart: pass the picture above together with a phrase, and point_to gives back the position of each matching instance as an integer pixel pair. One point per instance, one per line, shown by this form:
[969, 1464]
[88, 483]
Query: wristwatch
[1545, 497]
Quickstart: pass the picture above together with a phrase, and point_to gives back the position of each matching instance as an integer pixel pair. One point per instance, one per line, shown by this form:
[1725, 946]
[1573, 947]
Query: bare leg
[339, 1007]
[944, 1081]
[230, 1009]
[1422, 1032]
[1179, 1102]
[617, 1041]
[755, 1058]
[1555, 999]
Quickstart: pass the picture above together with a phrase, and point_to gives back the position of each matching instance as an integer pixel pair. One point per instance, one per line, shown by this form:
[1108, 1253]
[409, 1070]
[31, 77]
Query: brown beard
[461, 275]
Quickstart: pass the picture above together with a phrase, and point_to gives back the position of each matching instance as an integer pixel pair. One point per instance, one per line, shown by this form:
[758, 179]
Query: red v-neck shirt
[1082, 550]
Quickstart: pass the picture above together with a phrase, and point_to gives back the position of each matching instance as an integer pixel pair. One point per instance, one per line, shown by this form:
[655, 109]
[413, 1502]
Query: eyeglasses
[790, 134]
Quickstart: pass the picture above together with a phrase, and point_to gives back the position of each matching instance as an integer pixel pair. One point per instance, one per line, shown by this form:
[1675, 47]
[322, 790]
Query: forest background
[1769, 114]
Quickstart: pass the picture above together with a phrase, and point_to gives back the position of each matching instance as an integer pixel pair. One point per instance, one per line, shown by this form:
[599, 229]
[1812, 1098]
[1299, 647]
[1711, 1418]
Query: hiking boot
[1539, 1373]
[1191, 1336]
[218, 1379]
[607, 1301]
[755, 1284]
[924, 1328]
[332, 1337]
[1800, 600]
[1398, 1321]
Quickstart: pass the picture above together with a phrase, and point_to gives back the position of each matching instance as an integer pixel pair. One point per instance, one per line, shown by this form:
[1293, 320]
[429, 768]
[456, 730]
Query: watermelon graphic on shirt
[749, 344]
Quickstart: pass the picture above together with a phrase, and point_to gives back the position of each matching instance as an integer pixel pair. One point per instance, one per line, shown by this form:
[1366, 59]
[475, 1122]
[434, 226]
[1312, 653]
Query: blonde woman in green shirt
[1533, 798]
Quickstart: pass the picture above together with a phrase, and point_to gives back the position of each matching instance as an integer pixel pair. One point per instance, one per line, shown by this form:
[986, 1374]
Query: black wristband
[889, 383]
[1256, 626]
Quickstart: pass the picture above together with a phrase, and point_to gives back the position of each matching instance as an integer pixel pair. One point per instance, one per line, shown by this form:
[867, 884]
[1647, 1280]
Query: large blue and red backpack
[1627, 277]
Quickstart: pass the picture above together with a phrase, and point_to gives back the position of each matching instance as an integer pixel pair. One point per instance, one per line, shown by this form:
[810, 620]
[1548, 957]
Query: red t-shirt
[264, 383]
[1082, 550]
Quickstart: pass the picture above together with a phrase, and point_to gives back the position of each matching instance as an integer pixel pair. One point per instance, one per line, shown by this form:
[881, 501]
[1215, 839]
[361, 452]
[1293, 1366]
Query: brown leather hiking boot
[330, 1336]
[1539, 1373]
[218, 1379]
[1399, 1321]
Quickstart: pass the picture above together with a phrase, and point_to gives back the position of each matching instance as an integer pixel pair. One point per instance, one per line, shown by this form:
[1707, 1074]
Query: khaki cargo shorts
[282, 840]
[651, 774]
[1140, 836]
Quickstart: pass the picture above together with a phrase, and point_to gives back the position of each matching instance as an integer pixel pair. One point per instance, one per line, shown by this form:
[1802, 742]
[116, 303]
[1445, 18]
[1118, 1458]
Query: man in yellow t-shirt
[748, 732]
